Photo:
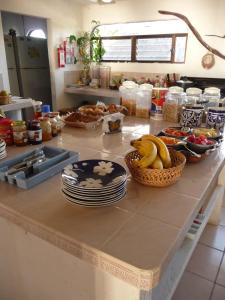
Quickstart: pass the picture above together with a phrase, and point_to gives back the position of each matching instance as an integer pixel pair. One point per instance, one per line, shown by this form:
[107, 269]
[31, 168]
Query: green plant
[97, 50]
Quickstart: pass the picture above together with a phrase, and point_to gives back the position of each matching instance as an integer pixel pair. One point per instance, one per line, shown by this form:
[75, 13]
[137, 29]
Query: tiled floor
[204, 277]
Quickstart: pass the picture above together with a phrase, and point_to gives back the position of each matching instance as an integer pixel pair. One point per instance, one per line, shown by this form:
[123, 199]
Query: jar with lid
[37, 109]
[143, 100]
[172, 107]
[20, 136]
[211, 97]
[194, 96]
[6, 132]
[59, 120]
[46, 128]
[128, 94]
[34, 132]
[54, 124]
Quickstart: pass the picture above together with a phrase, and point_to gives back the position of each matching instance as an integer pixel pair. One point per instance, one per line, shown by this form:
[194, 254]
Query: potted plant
[90, 50]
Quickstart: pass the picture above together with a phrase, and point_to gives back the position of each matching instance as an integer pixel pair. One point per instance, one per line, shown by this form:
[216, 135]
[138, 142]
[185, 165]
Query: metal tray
[56, 160]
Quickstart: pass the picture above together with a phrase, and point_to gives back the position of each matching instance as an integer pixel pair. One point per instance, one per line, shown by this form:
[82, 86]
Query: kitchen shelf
[88, 91]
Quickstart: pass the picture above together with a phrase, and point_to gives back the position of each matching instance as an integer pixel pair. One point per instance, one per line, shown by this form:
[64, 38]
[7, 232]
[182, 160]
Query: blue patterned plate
[94, 174]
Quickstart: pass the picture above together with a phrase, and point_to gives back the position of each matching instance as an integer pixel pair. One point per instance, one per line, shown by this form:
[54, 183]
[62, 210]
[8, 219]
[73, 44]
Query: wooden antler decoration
[195, 32]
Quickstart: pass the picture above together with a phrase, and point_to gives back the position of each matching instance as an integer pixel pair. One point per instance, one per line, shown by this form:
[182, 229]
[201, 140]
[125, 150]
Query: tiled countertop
[134, 239]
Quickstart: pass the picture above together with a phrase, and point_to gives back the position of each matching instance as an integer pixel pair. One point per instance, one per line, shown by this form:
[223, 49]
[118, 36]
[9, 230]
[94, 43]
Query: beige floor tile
[193, 287]
[143, 245]
[205, 261]
[218, 293]
[222, 217]
[221, 276]
[214, 236]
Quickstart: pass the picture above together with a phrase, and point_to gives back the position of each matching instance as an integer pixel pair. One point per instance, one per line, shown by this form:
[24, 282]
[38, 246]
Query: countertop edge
[141, 279]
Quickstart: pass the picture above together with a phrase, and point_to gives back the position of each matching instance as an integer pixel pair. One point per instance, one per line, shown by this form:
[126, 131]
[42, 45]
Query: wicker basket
[153, 177]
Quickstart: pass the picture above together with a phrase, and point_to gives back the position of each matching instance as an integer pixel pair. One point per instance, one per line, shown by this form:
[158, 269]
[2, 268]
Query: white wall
[63, 18]
[4, 80]
[206, 15]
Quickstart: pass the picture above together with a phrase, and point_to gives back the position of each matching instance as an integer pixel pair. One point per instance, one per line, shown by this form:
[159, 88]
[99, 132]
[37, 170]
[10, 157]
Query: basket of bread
[152, 163]
[80, 120]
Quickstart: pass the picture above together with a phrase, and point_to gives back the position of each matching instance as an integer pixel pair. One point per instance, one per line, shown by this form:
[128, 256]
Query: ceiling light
[106, 1]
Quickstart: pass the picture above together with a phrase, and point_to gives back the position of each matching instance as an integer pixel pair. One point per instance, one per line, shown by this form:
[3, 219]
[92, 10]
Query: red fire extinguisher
[61, 57]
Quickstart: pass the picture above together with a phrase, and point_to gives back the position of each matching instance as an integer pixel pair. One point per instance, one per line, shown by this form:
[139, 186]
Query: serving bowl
[200, 149]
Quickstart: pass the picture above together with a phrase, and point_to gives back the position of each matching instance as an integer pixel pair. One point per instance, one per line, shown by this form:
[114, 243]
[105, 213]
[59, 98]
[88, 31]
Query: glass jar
[37, 109]
[6, 132]
[54, 125]
[158, 100]
[59, 120]
[105, 76]
[211, 96]
[194, 96]
[46, 128]
[175, 98]
[20, 136]
[34, 132]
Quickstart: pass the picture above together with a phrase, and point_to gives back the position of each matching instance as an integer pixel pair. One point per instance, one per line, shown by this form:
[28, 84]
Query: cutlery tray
[56, 160]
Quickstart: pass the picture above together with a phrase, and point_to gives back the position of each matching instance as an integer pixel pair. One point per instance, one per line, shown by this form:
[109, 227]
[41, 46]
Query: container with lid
[175, 99]
[158, 99]
[194, 96]
[128, 92]
[6, 132]
[20, 136]
[34, 132]
[46, 128]
[211, 96]
[143, 100]
[45, 110]
[105, 76]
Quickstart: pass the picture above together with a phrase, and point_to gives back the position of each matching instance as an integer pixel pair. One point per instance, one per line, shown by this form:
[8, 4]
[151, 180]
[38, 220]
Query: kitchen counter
[134, 240]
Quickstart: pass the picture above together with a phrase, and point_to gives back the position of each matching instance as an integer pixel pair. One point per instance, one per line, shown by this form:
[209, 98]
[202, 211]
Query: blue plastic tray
[57, 159]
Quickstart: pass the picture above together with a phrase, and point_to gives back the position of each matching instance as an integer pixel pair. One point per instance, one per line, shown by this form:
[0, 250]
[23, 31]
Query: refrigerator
[28, 68]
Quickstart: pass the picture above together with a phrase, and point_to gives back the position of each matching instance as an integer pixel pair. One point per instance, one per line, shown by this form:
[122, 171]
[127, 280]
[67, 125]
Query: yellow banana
[163, 151]
[157, 163]
[147, 150]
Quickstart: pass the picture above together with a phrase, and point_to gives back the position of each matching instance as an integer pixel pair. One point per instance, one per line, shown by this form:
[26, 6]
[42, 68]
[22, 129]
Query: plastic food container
[194, 96]
[158, 99]
[175, 98]
[143, 100]
[128, 94]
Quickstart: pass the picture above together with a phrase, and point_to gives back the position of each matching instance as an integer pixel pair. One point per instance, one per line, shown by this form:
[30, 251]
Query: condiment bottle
[45, 110]
[46, 128]
[54, 125]
[6, 132]
[20, 136]
[59, 121]
[34, 132]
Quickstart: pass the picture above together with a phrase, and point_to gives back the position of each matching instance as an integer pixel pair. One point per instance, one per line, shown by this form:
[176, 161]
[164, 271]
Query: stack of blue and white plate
[3, 153]
[94, 183]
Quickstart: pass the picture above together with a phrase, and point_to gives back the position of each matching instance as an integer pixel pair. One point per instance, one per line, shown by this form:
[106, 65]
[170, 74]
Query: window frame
[134, 39]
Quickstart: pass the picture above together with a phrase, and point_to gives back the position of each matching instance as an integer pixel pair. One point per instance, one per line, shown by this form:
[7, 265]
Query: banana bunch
[153, 151]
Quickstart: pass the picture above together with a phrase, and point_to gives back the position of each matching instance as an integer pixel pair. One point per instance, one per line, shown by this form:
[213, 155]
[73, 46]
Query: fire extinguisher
[61, 57]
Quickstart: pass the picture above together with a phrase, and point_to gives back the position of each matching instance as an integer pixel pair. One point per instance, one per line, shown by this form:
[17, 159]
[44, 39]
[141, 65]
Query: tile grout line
[210, 298]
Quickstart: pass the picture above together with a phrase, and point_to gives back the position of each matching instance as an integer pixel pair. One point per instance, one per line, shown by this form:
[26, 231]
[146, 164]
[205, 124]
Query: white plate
[94, 192]
[89, 198]
[93, 204]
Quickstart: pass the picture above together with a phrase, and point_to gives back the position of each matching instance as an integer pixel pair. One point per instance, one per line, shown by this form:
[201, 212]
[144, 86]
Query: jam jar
[20, 136]
[34, 132]
[6, 132]
[46, 128]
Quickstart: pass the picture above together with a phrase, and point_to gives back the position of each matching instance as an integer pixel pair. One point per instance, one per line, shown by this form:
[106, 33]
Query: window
[37, 33]
[154, 41]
